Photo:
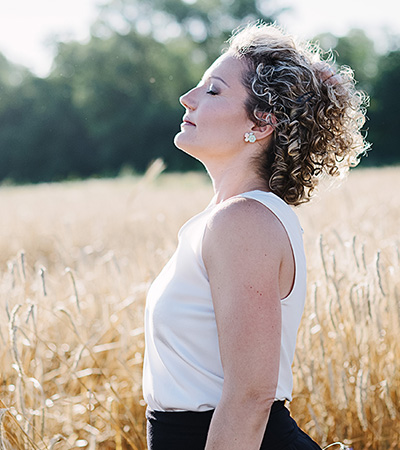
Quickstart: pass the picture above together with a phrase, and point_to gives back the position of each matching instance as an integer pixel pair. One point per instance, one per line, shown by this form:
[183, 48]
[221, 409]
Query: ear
[265, 125]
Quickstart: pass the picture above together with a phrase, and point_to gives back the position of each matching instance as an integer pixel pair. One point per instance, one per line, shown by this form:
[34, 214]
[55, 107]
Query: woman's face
[215, 120]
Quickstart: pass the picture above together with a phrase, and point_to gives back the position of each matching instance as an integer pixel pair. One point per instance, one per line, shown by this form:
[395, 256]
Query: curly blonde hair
[316, 111]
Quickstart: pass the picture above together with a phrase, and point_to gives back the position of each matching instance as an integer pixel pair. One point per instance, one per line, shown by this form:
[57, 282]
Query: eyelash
[211, 92]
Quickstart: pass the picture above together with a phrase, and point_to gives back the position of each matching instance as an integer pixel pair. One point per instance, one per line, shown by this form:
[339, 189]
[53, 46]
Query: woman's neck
[234, 179]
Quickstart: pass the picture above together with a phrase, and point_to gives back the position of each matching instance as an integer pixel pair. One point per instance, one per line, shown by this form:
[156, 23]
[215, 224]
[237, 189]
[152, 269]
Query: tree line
[112, 102]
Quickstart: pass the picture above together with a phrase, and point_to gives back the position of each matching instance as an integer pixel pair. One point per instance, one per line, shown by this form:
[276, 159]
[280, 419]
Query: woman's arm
[246, 252]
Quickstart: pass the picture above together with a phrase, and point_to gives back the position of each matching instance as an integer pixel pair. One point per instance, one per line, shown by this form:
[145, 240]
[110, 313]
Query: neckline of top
[214, 203]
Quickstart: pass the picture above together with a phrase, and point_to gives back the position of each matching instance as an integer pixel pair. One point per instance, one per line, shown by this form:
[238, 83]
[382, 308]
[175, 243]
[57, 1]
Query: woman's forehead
[227, 67]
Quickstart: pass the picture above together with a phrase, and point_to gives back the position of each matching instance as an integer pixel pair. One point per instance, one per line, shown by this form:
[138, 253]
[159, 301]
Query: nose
[187, 100]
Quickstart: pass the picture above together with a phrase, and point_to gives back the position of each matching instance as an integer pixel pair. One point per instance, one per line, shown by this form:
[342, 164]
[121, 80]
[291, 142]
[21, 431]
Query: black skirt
[188, 430]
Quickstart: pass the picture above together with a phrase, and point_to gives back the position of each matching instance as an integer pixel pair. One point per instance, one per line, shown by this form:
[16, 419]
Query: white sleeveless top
[182, 365]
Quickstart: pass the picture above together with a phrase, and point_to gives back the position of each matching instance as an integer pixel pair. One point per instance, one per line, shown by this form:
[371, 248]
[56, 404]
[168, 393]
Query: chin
[181, 142]
[177, 139]
[184, 144]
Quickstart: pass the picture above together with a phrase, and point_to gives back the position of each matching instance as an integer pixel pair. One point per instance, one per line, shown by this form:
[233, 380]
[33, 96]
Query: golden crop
[76, 260]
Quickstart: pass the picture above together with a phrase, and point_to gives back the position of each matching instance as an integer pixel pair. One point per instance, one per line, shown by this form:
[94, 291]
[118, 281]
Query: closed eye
[212, 90]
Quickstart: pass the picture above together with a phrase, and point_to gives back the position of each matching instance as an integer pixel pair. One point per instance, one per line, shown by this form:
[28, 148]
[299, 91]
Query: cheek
[238, 122]
[229, 117]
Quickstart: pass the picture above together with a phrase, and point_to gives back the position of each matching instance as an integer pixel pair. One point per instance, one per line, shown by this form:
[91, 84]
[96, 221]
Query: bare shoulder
[246, 244]
[244, 215]
[242, 224]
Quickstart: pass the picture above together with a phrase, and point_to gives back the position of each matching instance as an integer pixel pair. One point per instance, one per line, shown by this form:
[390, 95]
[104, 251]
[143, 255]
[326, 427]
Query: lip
[186, 121]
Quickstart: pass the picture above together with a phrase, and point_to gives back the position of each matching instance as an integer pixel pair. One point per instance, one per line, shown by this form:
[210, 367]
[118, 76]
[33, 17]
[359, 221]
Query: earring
[249, 137]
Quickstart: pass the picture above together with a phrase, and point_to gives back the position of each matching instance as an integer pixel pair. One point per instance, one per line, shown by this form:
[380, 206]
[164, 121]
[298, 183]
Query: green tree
[11, 74]
[384, 123]
[207, 23]
[126, 90]
[41, 136]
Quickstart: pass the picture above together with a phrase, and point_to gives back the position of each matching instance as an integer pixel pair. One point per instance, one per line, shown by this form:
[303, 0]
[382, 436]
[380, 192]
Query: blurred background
[90, 88]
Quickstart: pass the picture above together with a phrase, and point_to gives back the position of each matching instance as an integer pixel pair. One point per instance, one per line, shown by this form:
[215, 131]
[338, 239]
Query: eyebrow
[220, 79]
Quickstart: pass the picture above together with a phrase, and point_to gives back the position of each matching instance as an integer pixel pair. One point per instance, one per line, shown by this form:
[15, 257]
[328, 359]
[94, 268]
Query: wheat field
[76, 260]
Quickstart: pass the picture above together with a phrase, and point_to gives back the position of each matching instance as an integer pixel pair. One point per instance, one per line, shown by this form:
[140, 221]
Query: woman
[266, 120]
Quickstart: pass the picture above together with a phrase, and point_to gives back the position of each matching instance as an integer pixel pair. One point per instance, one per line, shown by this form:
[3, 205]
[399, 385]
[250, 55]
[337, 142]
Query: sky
[28, 28]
